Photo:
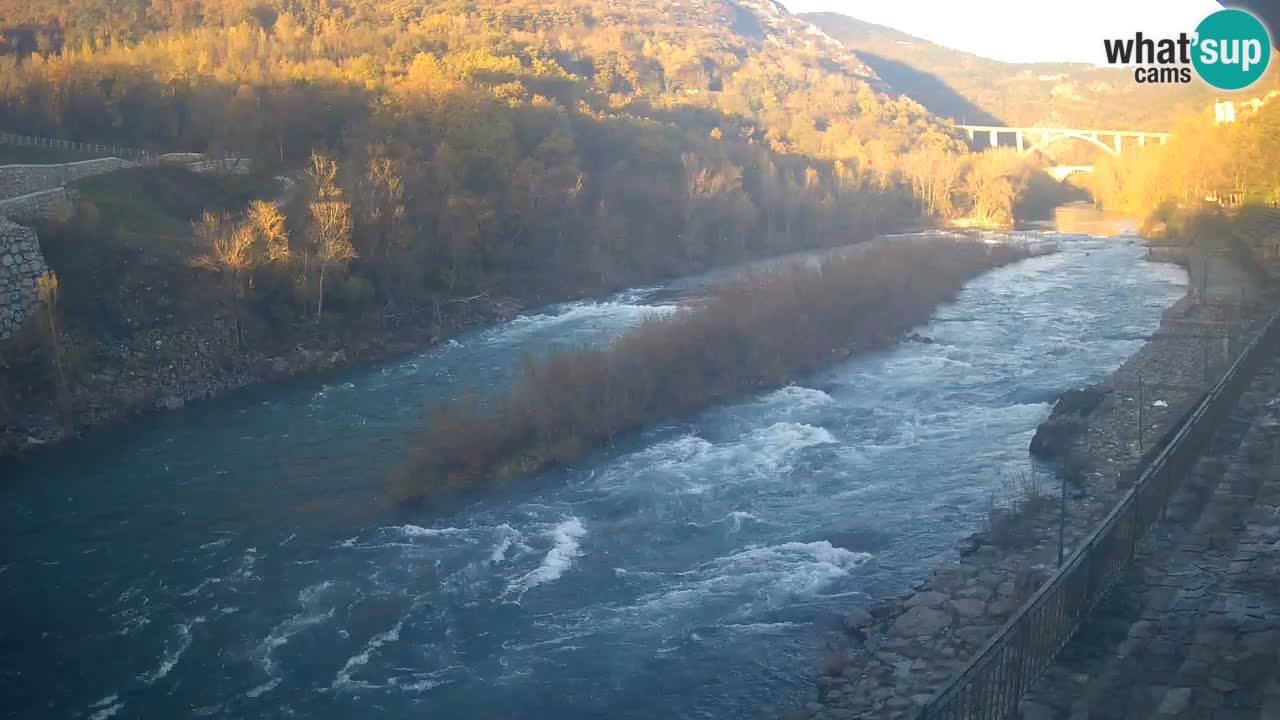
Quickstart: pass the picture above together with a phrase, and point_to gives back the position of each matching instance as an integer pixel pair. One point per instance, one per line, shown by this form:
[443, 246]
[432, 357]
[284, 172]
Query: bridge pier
[1022, 136]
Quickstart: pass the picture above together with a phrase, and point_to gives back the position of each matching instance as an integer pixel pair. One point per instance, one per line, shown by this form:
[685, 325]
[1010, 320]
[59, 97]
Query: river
[230, 560]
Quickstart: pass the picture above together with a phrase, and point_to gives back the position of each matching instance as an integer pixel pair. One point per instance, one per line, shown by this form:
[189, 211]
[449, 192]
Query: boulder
[929, 598]
[1053, 437]
[858, 621]
[968, 608]
[920, 621]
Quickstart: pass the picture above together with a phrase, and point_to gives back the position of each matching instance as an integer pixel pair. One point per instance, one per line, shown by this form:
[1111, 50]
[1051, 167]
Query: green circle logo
[1232, 50]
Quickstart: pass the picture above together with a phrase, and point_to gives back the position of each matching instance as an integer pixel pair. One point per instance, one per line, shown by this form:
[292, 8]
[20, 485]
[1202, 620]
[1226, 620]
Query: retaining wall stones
[24, 179]
[21, 264]
[42, 205]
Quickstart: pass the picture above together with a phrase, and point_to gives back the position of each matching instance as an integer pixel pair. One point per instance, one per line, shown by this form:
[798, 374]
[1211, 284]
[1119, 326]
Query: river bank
[908, 647]
[676, 573]
[165, 368]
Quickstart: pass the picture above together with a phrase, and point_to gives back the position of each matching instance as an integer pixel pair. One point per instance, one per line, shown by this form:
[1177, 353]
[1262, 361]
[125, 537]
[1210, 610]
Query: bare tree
[234, 250]
[330, 227]
[331, 238]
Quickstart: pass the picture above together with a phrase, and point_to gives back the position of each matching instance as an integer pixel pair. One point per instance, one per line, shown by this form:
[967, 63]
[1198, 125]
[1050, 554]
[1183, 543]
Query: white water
[231, 561]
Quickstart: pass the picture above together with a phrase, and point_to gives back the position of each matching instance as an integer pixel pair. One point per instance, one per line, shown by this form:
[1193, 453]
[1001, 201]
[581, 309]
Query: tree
[234, 250]
[934, 175]
[330, 221]
[47, 292]
[996, 179]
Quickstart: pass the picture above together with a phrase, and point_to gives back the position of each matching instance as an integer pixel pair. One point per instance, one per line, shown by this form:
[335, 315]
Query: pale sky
[1023, 30]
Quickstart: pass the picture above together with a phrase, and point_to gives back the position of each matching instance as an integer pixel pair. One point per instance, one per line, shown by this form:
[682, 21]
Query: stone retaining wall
[42, 205]
[21, 264]
[18, 180]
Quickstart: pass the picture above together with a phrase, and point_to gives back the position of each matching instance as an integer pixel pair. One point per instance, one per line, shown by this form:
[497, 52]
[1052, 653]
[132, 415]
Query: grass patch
[744, 336]
[124, 254]
[151, 208]
[32, 155]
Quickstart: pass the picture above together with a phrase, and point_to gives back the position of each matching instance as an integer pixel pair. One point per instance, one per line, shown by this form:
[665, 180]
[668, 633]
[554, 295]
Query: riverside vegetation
[750, 333]
[449, 156]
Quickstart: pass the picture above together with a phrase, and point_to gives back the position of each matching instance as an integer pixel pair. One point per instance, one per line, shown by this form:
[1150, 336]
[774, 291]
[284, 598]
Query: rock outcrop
[1054, 435]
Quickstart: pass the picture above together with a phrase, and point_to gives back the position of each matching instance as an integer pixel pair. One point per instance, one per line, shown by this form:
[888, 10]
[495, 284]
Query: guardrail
[993, 683]
[128, 153]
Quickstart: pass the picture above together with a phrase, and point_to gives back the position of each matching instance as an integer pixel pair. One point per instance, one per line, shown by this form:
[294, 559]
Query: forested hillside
[505, 135]
[978, 90]
[449, 151]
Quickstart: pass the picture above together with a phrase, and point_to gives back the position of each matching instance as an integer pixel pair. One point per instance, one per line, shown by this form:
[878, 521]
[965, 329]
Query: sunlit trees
[235, 249]
[329, 227]
[1229, 163]
[47, 292]
[935, 175]
[995, 180]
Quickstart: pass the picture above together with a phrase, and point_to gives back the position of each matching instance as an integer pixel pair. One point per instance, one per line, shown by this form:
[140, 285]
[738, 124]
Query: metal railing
[993, 683]
[121, 151]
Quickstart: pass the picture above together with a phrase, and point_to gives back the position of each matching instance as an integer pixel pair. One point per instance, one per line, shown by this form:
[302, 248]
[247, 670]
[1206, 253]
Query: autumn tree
[934, 175]
[235, 249]
[329, 229]
[47, 293]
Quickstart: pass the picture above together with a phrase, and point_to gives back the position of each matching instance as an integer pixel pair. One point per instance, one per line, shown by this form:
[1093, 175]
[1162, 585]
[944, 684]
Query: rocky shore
[905, 649]
[165, 367]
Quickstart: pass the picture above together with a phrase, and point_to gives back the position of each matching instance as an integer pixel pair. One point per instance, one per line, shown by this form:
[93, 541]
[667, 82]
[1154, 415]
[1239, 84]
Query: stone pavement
[1194, 630]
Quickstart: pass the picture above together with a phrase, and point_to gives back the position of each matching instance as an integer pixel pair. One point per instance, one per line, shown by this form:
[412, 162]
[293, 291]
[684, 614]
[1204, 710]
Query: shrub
[749, 334]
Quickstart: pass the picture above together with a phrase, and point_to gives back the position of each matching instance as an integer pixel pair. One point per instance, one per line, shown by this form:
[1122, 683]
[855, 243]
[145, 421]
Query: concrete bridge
[1029, 140]
[1060, 172]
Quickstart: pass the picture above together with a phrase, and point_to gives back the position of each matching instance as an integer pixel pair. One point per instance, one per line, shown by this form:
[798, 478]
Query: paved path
[1194, 629]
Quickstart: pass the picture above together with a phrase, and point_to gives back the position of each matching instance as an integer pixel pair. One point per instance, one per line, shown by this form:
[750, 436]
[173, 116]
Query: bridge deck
[1064, 131]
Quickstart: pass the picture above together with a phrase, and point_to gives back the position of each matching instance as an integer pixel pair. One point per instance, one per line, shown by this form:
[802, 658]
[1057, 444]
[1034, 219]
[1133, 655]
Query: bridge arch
[1050, 138]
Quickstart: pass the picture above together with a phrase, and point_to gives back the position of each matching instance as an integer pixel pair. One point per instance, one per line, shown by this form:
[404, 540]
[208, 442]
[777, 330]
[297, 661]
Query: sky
[1023, 30]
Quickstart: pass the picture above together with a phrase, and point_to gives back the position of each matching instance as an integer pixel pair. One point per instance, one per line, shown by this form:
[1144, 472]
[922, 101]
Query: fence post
[1141, 408]
[1205, 362]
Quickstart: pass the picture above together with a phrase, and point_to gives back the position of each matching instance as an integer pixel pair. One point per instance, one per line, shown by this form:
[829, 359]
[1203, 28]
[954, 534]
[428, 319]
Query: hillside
[459, 154]
[978, 90]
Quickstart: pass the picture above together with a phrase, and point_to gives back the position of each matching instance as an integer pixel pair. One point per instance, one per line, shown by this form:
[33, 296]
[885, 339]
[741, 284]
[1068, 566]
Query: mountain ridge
[966, 87]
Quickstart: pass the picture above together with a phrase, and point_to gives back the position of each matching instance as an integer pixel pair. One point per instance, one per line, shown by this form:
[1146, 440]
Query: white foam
[416, 531]
[215, 544]
[797, 399]
[108, 711]
[309, 616]
[172, 655]
[566, 547]
[343, 679]
[428, 680]
[105, 701]
[264, 688]
[736, 517]
[626, 313]
[508, 537]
